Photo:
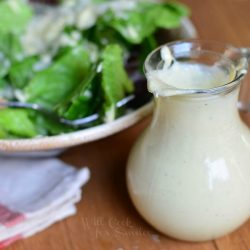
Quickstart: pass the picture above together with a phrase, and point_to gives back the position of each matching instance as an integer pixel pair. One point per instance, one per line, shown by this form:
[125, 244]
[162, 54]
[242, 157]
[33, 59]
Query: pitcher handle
[245, 105]
[246, 52]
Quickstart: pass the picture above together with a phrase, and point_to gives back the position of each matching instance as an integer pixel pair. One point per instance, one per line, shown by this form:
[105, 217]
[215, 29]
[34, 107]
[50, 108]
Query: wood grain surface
[106, 219]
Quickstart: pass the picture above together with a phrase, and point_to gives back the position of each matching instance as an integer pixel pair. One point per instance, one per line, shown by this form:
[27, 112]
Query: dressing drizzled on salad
[74, 58]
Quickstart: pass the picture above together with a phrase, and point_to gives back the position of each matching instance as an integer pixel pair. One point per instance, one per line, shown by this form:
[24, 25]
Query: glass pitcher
[188, 174]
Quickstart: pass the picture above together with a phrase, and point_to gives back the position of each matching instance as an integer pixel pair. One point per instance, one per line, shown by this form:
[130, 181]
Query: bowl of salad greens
[75, 59]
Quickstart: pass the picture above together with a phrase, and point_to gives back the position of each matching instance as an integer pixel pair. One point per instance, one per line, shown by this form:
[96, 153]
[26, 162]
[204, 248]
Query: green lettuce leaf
[137, 24]
[14, 15]
[10, 46]
[4, 65]
[168, 15]
[178, 8]
[6, 91]
[102, 35]
[22, 72]
[46, 126]
[86, 100]
[3, 134]
[53, 85]
[115, 81]
[17, 123]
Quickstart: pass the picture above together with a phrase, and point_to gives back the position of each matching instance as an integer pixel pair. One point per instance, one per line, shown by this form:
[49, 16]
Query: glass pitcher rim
[227, 87]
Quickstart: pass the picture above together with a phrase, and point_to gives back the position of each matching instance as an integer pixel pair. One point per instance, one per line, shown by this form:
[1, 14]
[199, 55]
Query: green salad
[74, 58]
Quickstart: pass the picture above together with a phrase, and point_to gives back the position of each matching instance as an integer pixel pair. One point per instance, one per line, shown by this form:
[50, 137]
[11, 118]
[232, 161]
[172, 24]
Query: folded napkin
[35, 193]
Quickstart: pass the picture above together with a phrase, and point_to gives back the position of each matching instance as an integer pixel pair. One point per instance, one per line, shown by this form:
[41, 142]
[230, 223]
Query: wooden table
[106, 219]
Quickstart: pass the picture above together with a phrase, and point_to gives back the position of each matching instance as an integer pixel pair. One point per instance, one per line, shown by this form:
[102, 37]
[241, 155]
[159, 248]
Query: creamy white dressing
[188, 174]
[176, 77]
[43, 63]
[46, 28]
